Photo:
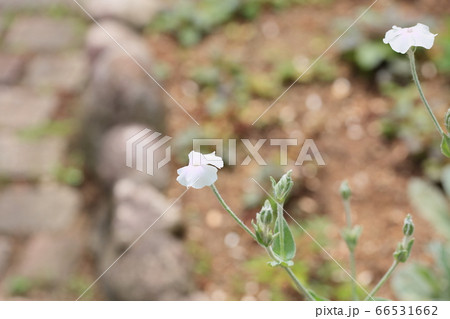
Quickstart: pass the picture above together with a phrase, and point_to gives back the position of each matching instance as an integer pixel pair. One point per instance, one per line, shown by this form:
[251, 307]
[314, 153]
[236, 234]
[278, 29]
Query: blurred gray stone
[5, 253]
[23, 108]
[155, 268]
[65, 72]
[51, 258]
[35, 34]
[119, 91]
[99, 42]
[112, 153]
[29, 158]
[136, 12]
[137, 206]
[26, 209]
[11, 68]
[15, 5]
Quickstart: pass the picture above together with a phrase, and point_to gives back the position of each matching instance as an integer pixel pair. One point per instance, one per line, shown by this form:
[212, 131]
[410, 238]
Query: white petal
[196, 158]
[214, 160]
[197, 176]
[392, 34]
[402, 43]
[422, 36]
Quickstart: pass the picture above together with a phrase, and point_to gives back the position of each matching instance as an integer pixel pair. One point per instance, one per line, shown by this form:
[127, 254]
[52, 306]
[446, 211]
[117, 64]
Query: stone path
[55, 63]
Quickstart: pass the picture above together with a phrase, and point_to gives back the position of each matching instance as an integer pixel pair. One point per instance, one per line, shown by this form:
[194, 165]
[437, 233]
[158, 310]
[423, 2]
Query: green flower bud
[408, 226]
[351, 236]
[282, 189]
[264, 225]
[345, 190]
[266, 213]
[403, 251]
[447, 120]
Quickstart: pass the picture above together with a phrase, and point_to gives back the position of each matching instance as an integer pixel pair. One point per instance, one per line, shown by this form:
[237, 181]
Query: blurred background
[70, 97]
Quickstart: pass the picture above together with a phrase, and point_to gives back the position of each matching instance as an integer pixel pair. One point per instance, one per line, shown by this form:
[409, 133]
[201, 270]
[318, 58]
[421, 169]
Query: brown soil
[345, 130]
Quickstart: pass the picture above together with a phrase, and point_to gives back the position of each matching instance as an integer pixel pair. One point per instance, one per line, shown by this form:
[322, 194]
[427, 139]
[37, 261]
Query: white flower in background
[401, 39]
[201, 171]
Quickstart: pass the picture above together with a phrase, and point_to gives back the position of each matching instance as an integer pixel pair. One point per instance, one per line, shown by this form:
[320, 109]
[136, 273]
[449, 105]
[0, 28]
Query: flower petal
[214, 160]
[402, 43]
[197, 176]
[422, 36]
[392, 34]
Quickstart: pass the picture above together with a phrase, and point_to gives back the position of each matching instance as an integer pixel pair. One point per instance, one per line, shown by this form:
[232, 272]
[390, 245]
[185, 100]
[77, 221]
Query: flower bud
[264, 225]
[403, 251]
[345, 190]
[408, 226]
[266, 213]
[284, 186]
[447, 120]
[351, 236]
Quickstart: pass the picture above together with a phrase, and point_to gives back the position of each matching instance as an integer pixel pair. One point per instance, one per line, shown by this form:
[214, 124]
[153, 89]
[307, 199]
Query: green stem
[382, 280]
[229, 211]
[422, 95]
[280, 225]
[269, 250]
[348, 217]
[291, 274]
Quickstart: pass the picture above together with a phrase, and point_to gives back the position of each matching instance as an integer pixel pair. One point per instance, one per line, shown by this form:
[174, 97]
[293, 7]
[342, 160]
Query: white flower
[401, 39]
[201, 171]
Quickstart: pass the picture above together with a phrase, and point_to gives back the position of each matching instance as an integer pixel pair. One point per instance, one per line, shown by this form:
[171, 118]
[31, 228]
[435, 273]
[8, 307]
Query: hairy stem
[382, 280]
[422, 95]
[229, 211]
[348, 217]
[300, 287]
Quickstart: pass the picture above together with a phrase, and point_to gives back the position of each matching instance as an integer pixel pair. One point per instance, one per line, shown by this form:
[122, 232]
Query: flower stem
[382, 280]
[348, 217]
[280, 225]
[422, 95]
[269, 250]
[229, 211]
[291, 274]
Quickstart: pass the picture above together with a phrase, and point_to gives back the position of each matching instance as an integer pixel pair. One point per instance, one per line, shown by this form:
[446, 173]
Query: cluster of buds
[264, 225]
[403, 250]
[282, 188]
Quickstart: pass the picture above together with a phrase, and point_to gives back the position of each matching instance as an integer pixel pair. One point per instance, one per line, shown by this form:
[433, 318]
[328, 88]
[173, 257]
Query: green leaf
[415, 282]
[289, 244]
[445, 179]
[317, 297]
[445, 145]
[431, 204]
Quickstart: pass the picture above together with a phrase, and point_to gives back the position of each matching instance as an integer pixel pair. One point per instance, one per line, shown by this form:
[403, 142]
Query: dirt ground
[345, 129]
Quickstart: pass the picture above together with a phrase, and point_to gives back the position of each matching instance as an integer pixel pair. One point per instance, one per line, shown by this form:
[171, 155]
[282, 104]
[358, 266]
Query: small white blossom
[401, 39]
[201, 170]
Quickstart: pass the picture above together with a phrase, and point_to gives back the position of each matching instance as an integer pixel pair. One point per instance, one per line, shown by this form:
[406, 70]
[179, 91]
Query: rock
[51, 258]
[98, 42]
[112, 154]
[23, 108]
[5, 253]
[11, 68]
[119, 91]
[138, 206]
[136, 12]
[51, 71]
[26, 209]
[155, 268]
[28, 158]
[35, 34]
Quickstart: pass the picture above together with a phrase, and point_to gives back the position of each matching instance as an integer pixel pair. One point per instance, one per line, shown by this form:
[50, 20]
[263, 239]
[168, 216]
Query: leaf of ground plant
[431, 204]
[288, 239]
